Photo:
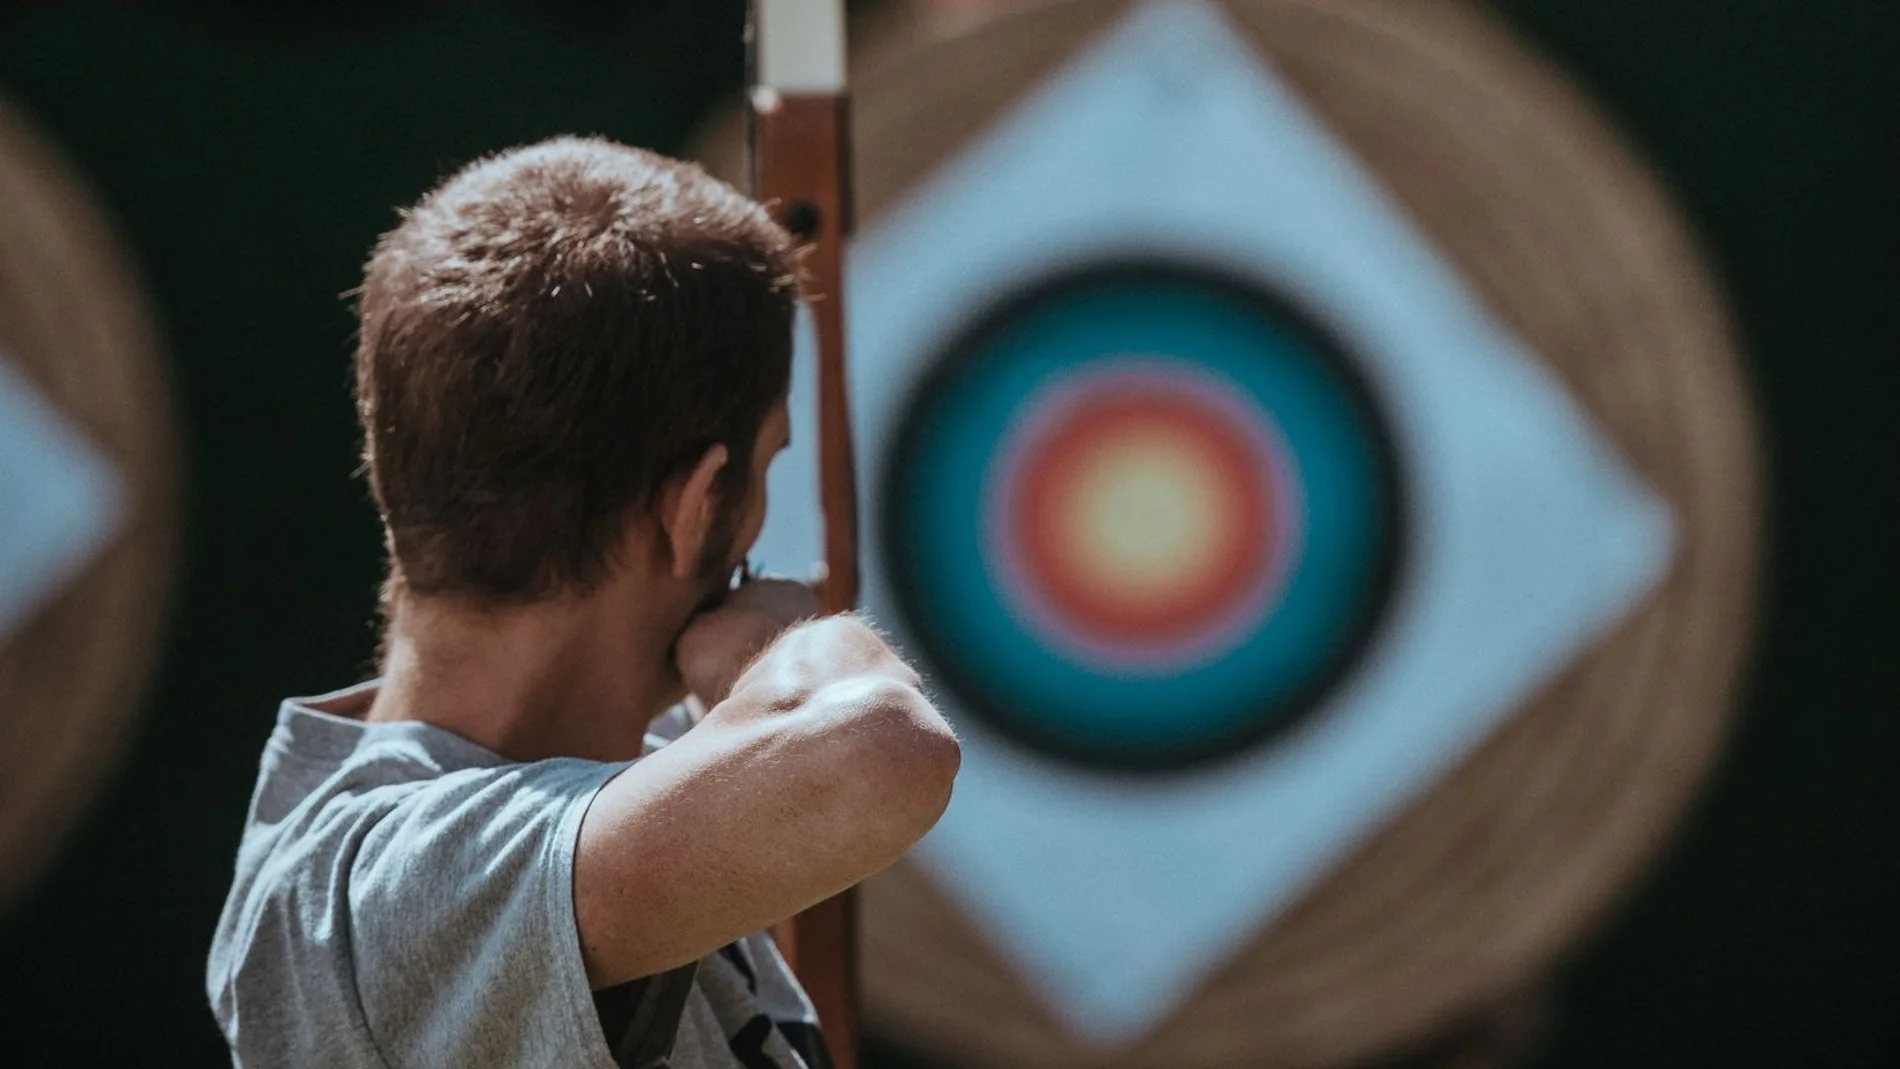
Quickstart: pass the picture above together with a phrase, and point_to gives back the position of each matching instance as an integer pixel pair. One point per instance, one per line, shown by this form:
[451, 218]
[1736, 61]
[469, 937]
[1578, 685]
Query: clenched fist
[717, 645]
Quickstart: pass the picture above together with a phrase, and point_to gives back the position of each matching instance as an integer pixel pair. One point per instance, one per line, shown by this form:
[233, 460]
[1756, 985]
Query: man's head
[563, 343]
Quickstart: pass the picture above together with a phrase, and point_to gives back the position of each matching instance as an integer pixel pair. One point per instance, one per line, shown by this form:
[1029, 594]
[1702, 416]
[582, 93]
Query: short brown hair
[547, 337]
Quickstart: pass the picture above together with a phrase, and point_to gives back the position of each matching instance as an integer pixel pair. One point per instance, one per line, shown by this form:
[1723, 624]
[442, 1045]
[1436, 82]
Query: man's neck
[564, 678]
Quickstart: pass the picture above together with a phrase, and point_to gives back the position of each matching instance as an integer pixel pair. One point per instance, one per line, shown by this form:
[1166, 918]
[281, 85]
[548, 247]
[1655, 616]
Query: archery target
[1531, 415]
[1140, 516]
[87, 497]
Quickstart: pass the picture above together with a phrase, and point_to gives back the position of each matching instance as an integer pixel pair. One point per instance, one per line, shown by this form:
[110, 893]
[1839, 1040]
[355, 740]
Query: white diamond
[1528, 537]
[59, 500]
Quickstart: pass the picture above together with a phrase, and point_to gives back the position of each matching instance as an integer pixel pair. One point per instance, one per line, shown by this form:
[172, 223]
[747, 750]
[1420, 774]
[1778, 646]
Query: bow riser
[801, 166]
[800, 153]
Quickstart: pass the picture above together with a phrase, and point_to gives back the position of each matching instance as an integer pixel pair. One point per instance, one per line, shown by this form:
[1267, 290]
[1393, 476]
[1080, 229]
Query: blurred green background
[251, 151]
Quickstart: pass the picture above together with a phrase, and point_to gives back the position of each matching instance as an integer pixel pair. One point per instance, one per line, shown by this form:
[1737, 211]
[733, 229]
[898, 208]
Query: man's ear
[688, 507]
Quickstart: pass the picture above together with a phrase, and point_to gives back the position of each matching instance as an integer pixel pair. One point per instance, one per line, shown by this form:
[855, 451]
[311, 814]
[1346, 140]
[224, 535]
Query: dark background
[252, 151]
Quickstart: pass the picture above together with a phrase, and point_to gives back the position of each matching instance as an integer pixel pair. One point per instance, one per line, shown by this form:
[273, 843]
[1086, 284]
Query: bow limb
[801, 166]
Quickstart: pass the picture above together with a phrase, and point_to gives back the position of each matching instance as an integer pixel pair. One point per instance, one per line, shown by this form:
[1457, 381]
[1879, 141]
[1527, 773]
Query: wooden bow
[801, 166]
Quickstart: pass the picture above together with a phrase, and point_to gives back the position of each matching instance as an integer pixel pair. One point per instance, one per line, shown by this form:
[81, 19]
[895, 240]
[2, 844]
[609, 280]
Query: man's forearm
[824, 764]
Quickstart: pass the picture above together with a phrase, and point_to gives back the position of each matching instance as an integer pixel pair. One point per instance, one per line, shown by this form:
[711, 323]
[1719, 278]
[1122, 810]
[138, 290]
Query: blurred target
[88, 485]
[1141, 515]
[1315, 474]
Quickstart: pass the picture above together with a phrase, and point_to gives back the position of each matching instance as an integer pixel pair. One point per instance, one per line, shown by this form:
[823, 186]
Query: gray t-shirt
[404, 898]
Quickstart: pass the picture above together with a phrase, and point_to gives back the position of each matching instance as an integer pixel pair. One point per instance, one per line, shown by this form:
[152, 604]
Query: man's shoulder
[360, 862]
[333, 799]
[322, 776]
[391, 794]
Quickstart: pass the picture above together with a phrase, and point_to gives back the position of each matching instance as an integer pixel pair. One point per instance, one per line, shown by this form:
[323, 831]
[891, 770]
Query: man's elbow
[907, 756]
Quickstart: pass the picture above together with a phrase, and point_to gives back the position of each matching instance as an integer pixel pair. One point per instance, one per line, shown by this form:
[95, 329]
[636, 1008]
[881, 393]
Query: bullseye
[1140, 516]
[1143, 515]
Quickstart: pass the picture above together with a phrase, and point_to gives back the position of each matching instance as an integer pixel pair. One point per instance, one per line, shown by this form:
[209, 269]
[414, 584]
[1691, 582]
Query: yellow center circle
[1144, 516]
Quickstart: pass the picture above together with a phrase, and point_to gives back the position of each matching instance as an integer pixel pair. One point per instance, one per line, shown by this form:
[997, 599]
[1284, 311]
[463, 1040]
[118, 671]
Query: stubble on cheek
[716, 565]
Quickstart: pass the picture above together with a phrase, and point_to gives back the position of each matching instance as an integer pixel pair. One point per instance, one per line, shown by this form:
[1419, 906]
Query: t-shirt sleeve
[462, 931]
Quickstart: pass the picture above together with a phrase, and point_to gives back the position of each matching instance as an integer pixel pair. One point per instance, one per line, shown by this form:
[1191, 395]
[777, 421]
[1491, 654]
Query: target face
[1141, 516]
[1138, 524]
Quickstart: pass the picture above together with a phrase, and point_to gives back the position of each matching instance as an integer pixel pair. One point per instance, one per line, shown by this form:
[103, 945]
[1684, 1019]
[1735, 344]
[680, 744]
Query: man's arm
[823, 764]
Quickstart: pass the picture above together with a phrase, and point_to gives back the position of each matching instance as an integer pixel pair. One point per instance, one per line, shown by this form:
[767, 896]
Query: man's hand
[717, 645]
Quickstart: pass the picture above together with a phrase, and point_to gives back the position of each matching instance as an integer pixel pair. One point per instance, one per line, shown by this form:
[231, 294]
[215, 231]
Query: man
[571, 375]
